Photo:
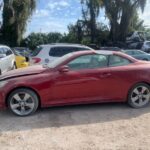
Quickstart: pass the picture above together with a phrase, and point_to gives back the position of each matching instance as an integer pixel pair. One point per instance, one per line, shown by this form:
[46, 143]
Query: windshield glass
[60, 60]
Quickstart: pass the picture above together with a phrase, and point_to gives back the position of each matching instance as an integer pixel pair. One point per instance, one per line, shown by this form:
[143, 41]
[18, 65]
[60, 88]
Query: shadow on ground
[69, 116]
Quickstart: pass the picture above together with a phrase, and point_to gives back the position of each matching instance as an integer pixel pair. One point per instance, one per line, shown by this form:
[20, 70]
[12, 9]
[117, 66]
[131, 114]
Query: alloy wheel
[140, 96]
[22, 103]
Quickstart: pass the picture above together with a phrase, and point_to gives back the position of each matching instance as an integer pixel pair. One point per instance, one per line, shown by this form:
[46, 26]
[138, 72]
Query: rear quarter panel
[123, 78]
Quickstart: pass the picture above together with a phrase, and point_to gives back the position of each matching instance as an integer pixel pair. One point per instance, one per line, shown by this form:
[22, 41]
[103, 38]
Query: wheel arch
[22, 87]
[142, 82]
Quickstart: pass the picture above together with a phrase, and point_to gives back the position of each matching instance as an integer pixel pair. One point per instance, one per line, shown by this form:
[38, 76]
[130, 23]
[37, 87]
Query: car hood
[23, 72]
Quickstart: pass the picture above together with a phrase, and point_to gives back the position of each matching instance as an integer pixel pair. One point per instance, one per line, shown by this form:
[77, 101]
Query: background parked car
[7, 59]
[111, 48]
[44, 54]
[23, 51]
[146, 46]
[138, 54]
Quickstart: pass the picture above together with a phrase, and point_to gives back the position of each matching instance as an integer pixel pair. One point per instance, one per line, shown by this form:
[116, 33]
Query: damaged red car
[77, 78]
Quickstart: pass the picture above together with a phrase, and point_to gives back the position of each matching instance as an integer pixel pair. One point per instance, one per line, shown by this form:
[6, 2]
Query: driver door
[85, 81]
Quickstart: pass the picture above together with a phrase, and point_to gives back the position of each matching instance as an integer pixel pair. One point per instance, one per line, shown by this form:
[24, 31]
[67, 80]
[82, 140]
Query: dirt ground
[88, 127]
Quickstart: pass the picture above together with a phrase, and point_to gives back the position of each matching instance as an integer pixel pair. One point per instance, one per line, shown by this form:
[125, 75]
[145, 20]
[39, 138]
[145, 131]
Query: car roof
[103, 52]
[131, 50]
[64, 44]
[4, 46]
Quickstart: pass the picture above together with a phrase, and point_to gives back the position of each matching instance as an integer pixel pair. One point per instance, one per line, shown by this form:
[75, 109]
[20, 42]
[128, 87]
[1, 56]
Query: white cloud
[146, 15]
[58, 4]
[41, 13]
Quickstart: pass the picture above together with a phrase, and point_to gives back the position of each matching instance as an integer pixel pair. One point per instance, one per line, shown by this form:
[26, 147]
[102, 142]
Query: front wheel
[139, 96]
[23, 102]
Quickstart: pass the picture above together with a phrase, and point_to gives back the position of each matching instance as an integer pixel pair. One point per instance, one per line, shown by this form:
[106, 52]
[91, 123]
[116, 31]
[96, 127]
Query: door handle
[105, 75]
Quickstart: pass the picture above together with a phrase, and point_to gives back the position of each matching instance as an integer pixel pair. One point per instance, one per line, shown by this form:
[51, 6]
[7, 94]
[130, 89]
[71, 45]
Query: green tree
[35, 39]
[136, 24]
[120, 15]
[54, 37]
[15, 16]
[129, 9]
[90, 11]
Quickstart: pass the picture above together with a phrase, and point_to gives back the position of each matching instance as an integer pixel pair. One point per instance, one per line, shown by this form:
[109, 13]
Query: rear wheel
[23, 102]
[139, 96]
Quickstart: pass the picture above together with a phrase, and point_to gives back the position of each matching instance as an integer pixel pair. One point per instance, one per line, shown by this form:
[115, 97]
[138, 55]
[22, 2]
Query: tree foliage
[90, 11]
[15, 16]
[35, 39]
[120, 15]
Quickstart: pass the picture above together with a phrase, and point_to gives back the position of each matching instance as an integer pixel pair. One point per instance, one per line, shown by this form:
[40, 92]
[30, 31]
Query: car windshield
[58, 61]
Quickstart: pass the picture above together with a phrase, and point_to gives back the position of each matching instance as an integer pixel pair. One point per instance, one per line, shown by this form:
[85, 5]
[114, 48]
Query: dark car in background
[138, 54]
[111, 48]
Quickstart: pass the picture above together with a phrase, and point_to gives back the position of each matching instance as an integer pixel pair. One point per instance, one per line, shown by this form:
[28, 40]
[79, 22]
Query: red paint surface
[54, 88]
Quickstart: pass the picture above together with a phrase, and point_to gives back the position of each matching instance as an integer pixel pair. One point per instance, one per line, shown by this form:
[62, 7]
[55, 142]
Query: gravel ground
[88, 127]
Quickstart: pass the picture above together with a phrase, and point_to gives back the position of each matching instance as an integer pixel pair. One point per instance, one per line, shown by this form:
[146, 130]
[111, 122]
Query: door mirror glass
[2, 55]
[63, 69]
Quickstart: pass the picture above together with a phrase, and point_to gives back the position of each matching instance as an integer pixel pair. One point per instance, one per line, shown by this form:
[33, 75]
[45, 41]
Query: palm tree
[129, 9]
[90, 11]
[120, 14]
[113, 10]
[15, 16]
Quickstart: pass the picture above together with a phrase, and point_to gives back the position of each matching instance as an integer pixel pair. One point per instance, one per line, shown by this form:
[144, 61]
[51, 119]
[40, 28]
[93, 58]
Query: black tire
[132, 96]
[33, 97]
[145, 59]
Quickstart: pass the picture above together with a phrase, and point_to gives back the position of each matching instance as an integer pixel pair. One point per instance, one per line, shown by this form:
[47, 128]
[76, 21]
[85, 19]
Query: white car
[146, 46]
[7, 59]
[45, 54]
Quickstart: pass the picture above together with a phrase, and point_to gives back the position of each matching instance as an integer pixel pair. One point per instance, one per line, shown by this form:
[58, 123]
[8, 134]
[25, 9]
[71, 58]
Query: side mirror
[63, 69]
[2, 55]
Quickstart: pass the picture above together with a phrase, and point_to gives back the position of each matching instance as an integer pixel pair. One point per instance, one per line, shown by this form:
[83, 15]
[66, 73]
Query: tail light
[36, 60]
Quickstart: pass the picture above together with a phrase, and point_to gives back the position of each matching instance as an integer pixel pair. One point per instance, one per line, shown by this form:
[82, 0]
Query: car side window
[129, 52]
[137, 53]
[115, 61]
[1, 51]
[89, 62]
[7, 51]
[59, 51]
[148, 43]
[83, 49]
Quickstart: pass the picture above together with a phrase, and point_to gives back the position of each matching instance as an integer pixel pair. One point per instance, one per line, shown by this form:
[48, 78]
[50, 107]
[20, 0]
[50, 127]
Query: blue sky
[55, 15]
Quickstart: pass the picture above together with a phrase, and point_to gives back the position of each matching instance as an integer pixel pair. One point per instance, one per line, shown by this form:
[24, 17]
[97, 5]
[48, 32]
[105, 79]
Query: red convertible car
[77, 78]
